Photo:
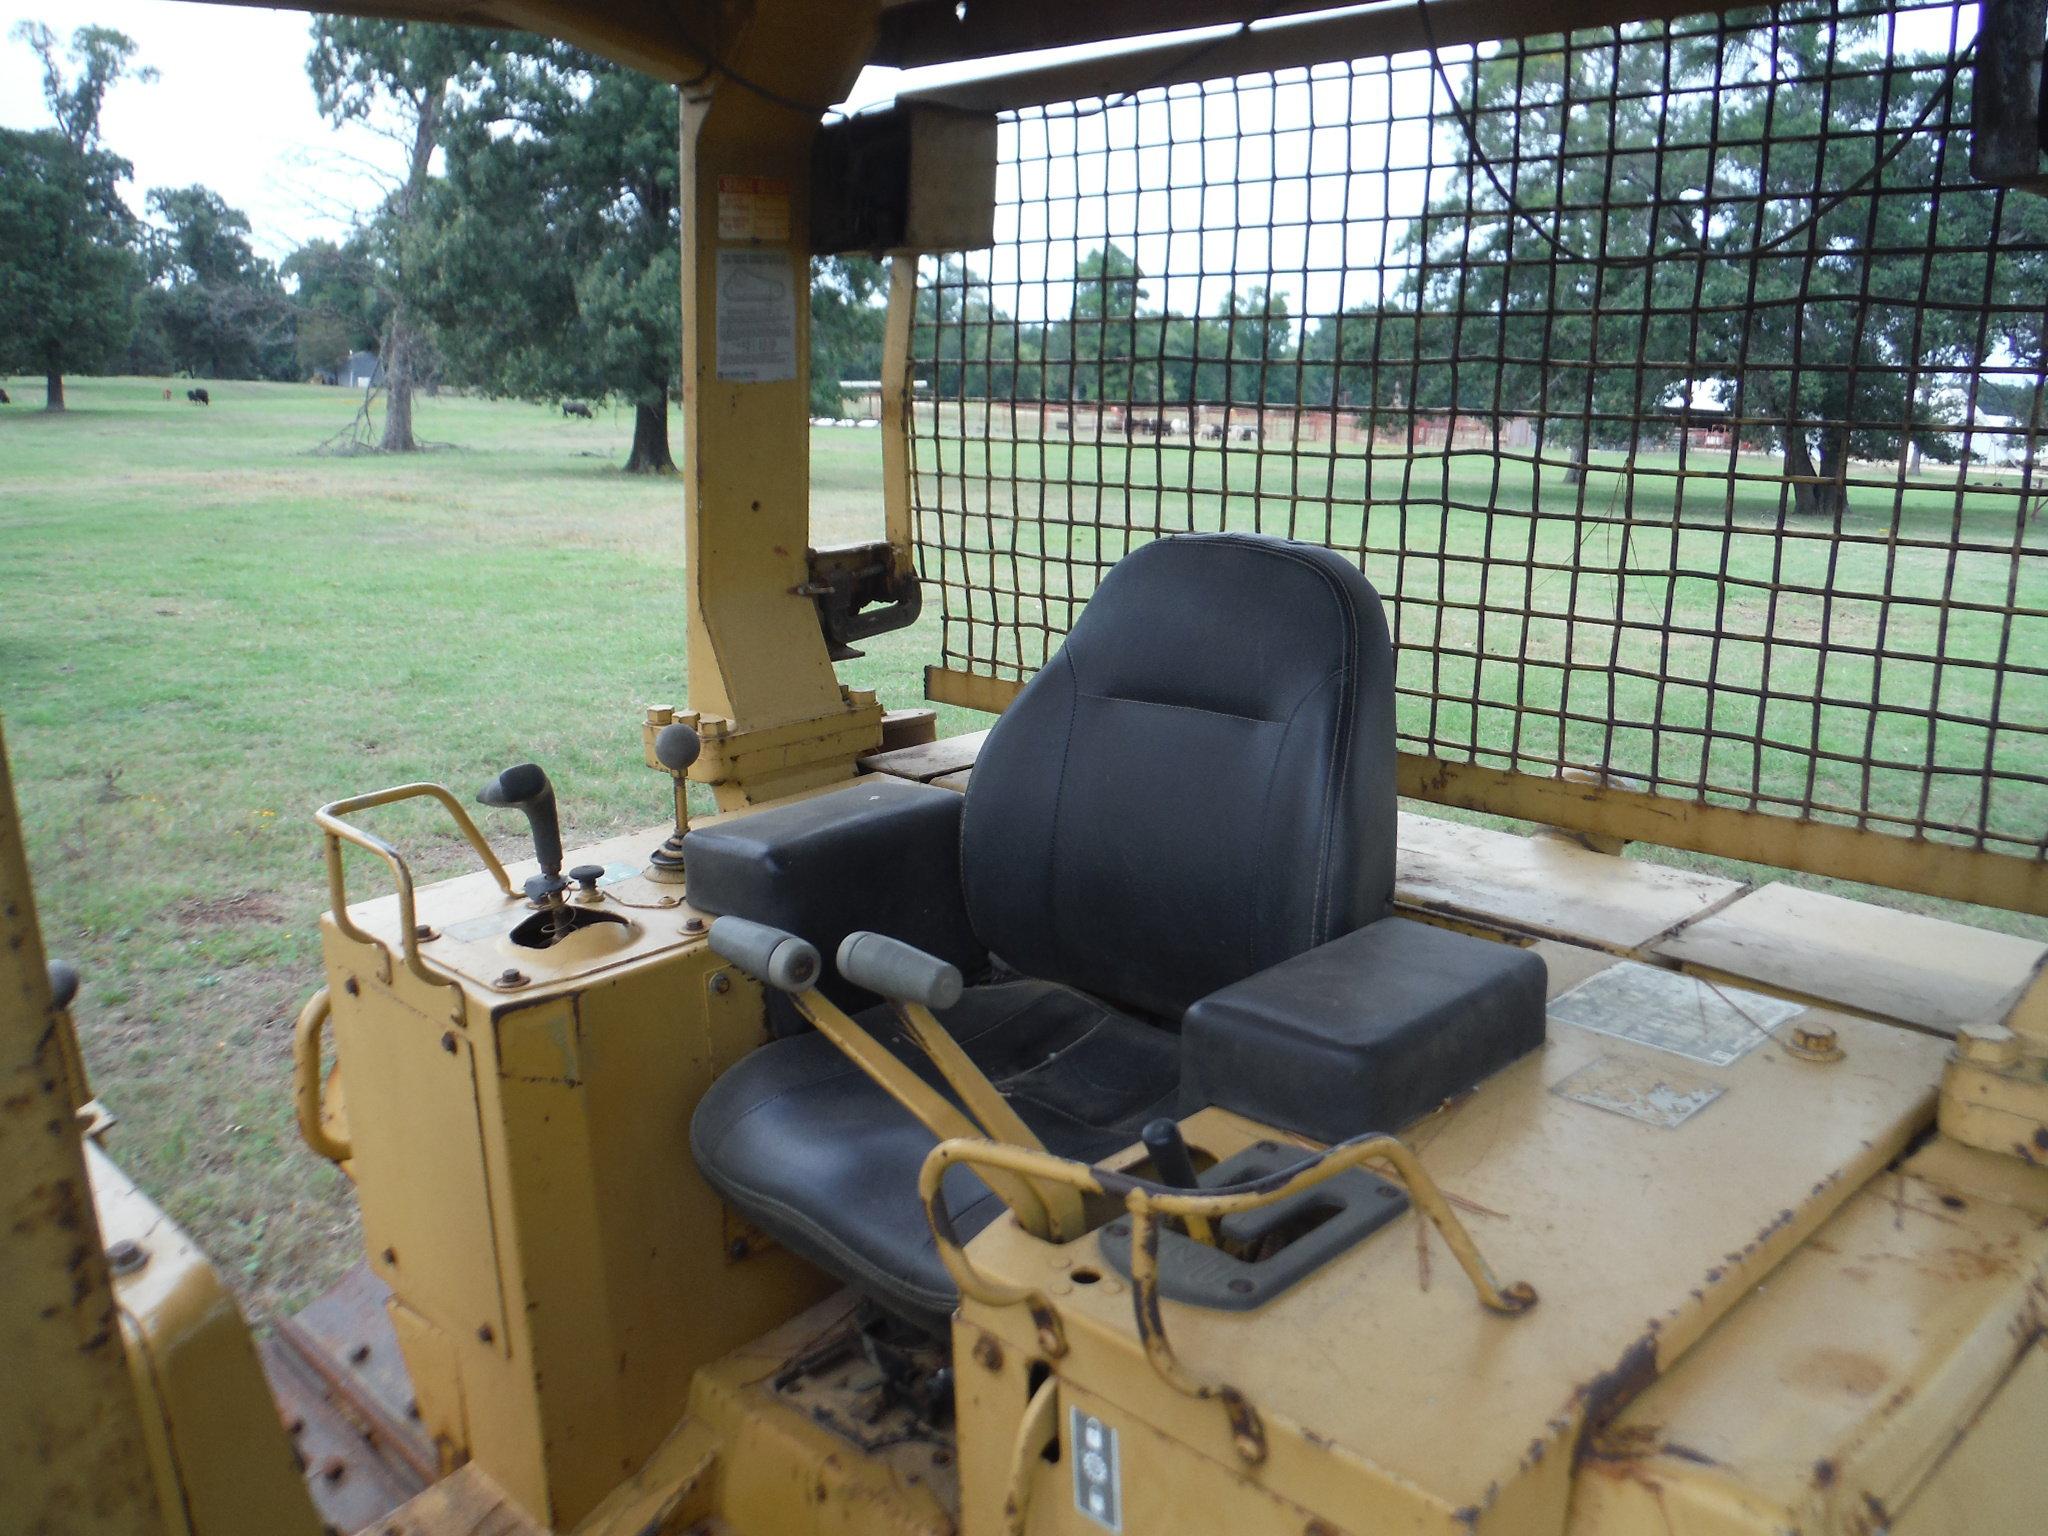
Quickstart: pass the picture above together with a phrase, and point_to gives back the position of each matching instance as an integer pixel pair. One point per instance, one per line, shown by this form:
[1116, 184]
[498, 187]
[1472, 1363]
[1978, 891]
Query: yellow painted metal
[559, 1269]
[317, 1120]
[72, 1453]
[1994, 1092]
[897, 405]
[220, 1459]
[1901, 1332]
[757, 658]
[926, 1104]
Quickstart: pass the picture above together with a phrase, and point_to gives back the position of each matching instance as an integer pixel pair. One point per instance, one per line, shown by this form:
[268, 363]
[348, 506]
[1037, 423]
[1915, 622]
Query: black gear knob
[676, 747]
[526, 788]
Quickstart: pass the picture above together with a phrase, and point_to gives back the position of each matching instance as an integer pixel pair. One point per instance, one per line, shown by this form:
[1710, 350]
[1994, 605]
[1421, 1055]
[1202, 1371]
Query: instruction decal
[1673, 1012]
[1098, 1471]
[756, 316]
[753, 208]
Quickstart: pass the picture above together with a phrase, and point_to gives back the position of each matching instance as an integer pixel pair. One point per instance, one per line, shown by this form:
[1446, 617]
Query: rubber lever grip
[891, 968]
[526, 788]
[773, 958]
[1169, 1151]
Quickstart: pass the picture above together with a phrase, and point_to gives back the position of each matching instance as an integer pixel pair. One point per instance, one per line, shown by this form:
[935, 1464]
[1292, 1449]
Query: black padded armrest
[882, 854]
[1366, 1033]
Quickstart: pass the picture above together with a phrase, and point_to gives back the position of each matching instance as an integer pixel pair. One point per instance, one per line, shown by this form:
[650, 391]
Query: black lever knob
[526, 788]
[1170, 1159]
[677, 746]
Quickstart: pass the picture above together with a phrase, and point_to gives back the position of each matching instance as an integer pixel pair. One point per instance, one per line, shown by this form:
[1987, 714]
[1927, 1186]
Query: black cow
[198, 397]
[5, 398]
[576, 408]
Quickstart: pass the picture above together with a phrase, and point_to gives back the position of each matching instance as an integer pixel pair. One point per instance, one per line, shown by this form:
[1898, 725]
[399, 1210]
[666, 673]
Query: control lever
[675, 747]
[1176, 1168]
[526, 788]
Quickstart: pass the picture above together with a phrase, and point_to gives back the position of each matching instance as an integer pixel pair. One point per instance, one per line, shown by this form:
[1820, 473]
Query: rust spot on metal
[1954, 1202]
[1246, 1430]
[988, 1353]
[1612, 1390]
[1880, 1517]
[1320, 1528]
[1824, 1473]
[2041, 1138]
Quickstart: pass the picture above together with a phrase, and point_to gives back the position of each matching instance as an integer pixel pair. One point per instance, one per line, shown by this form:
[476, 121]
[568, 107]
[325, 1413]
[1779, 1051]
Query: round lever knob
[586, 876]
[677, 746]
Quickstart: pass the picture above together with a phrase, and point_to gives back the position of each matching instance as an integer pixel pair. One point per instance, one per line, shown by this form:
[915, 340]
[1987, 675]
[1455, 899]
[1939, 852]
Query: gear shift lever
[675, 747]
[526, 788]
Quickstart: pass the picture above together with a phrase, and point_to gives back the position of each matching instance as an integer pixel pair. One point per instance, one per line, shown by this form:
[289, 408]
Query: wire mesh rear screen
[1675, 384]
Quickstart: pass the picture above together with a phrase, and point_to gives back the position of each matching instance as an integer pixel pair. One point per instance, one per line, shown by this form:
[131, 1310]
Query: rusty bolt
[720, 983]
[334, 1469]
[1988, 1045]
[511, 977]
[425, 931]
[352, 987]
[693, 925]
[988, 1353]
[1814, 1041]
[126, 1256]
[484, 1334]
[359, 1354]
[448, 1041]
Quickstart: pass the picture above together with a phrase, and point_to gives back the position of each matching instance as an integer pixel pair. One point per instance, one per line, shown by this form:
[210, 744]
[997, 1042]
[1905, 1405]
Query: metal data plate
[1098, 1470]
[1640, 1088]
[1699, 1020]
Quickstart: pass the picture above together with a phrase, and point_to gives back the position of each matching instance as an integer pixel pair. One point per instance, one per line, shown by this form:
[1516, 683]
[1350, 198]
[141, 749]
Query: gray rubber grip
[892, 968]
[773, 958]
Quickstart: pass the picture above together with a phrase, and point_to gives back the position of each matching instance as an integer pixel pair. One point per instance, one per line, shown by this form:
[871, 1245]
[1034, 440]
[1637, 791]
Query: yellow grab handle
[306, 1079]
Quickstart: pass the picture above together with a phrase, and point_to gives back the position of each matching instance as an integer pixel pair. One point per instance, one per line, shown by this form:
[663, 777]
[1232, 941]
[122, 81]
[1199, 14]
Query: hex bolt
[1988, 1045]
[693, 925]
[1814, 1041]
[512, 977]
[425, 931]
[126, 1256]
[720, 983]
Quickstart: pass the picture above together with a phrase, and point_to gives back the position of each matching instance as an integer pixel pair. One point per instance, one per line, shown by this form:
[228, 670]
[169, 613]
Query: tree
[848, 310]
[215, 308]
[68, 273]
[405, 80]
[551, 262]
[1690, 212]
[338, 305]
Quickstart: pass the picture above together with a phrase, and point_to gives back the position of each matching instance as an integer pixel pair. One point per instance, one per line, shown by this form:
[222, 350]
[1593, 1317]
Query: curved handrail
[306, 1081]
[338, 831]
[1147, 1202]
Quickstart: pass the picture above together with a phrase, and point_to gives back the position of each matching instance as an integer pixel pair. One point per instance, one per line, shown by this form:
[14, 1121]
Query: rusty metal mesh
[1675, 384]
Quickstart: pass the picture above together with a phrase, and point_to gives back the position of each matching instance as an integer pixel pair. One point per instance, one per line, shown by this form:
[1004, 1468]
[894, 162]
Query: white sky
[233, 110]
[1314, 194]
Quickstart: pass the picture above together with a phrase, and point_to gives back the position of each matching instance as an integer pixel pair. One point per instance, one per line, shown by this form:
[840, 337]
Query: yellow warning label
[753, 208]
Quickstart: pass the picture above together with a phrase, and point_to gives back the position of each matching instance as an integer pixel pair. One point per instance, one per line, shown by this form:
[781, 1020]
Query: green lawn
[207, 629]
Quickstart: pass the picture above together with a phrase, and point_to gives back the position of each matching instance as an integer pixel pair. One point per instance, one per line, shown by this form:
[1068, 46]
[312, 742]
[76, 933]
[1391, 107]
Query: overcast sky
[233, 110]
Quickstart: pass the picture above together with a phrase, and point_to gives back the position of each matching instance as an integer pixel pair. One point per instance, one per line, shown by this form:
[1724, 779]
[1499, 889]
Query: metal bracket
[861, 590]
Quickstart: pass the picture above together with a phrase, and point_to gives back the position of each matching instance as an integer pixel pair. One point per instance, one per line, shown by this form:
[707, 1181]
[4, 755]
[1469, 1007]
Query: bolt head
[1814, 1041]
[511, 977]
[721, 983]
[1988, 1045]
[126, 1256]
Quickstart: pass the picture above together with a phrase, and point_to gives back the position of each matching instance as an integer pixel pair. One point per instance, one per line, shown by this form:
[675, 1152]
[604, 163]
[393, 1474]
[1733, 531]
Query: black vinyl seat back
[1199, 785]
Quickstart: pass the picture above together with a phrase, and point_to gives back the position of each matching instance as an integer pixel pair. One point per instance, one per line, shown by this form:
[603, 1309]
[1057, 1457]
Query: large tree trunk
[398, 388]
[650, 454]
[1817, 492]
[53, 390]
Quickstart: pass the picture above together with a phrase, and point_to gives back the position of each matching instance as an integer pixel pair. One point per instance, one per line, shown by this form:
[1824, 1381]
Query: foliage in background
[849, 295]
[214, 308]
[548, 259]
[68, 272]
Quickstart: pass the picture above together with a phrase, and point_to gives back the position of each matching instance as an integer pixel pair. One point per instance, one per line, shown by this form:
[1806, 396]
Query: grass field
[207, 629]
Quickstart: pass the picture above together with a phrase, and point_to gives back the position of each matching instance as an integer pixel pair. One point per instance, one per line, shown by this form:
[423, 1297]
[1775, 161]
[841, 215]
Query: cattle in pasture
[576, 408]
[198, 397]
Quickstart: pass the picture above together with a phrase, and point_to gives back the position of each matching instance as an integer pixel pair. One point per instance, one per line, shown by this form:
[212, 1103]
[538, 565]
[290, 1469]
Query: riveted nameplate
[1671, 1011]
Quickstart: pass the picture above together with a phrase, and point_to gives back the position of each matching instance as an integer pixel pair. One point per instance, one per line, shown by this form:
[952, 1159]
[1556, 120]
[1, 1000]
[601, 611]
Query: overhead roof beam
[920, 32]
[1369, 31]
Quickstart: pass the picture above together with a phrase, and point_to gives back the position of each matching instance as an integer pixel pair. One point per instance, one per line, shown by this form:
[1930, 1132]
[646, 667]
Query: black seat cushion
[1199, 785]
[825, 1162]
